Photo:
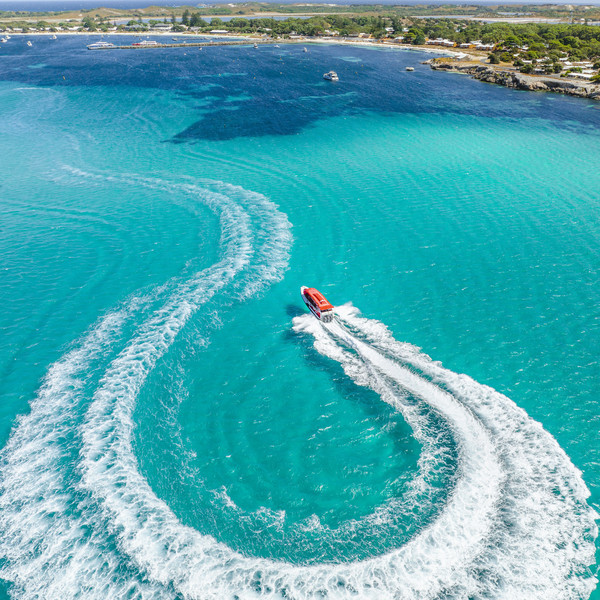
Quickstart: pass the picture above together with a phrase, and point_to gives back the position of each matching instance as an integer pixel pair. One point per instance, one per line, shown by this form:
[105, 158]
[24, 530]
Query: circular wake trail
[61, 533]
[541, 531]
[79, 520]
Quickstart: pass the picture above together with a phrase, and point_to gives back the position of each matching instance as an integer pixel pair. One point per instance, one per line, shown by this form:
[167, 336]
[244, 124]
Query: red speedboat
[317, 304]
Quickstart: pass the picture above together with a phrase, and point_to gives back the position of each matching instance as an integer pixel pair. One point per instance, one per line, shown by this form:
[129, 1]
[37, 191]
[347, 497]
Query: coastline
[468, 63]
[510, 77]
[253, 38]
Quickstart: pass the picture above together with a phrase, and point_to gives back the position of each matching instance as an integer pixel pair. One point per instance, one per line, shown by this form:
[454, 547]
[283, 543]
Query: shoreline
[441, 53]
[468, 63]
[510, 77]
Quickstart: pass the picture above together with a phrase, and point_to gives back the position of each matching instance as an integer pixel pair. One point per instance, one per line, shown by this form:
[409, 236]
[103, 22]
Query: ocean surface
[175, 424]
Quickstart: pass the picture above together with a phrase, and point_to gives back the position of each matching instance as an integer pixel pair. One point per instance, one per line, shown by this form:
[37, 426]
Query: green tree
[196, 20]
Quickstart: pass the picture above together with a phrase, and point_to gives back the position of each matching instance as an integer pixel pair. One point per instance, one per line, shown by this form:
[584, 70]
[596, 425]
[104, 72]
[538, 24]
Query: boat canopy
[319, 300]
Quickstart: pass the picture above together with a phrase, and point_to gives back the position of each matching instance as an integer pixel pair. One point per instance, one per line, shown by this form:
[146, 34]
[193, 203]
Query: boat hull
[323, 314]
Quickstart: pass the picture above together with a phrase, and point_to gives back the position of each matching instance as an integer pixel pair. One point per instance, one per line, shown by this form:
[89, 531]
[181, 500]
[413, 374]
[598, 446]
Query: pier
[189, 44]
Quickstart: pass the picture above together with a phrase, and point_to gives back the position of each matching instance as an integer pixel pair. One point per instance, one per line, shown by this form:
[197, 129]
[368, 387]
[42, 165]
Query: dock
[190, 44]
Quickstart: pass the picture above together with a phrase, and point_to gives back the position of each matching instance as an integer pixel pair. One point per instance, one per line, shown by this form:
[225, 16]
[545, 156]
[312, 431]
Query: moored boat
[145, 43]
[317, 304]
[99, 45]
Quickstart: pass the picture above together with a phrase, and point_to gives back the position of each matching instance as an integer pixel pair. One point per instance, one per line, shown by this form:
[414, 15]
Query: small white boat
[304, 49]
[29, 43]
[100, 45]
[256, 45]
[53, 37]
[410, 68]
[276, 46]
[331, 76]
[4, 40]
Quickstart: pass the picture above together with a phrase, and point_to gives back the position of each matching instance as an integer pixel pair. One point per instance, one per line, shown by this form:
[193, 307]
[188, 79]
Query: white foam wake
[67, 520]
[44, 552]
[474, 548]
[78, 519]
[541, 531]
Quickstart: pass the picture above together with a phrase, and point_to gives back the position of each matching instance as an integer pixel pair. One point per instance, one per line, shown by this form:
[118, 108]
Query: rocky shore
[512, 78]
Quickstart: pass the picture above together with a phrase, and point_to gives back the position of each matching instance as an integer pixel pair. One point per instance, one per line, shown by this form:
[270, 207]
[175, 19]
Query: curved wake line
[103, 478]
[78, 519]
[542, 539]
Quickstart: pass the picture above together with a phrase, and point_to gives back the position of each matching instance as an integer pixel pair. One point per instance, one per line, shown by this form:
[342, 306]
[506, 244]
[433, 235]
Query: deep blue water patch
[280, 91]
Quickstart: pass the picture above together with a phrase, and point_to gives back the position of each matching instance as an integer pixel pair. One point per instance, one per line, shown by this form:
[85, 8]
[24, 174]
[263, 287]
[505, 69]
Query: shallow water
[186, 430]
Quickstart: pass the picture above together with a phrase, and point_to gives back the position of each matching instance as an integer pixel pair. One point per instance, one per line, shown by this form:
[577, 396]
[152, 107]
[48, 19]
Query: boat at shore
[98, 45]
[331, 76]
[317, 304]
[145, 43]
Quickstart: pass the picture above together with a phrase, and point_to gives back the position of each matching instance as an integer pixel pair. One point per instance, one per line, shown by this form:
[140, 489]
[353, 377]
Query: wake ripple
[517, 525]
[78, 518]
[74, 507]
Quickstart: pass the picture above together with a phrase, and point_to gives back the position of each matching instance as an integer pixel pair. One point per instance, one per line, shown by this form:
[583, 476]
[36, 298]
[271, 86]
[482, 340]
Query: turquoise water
[174, 423]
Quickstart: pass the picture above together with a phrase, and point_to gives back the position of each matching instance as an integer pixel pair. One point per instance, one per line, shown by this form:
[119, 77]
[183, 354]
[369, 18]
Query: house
[441, 42]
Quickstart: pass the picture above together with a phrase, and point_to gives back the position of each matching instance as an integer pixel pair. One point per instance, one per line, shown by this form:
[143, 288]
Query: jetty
[138, 46]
